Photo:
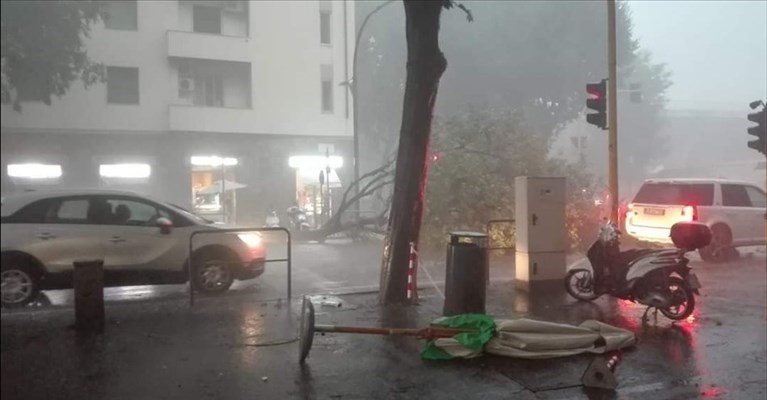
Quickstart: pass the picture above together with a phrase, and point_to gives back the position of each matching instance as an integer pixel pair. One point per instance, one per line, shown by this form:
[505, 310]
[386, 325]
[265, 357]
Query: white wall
[285, 57]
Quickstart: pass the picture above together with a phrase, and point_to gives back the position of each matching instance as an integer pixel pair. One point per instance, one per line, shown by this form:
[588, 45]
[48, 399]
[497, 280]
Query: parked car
[734, 211]
[140, 240]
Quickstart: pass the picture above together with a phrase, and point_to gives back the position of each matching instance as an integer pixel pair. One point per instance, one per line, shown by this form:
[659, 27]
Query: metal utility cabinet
[541, 232]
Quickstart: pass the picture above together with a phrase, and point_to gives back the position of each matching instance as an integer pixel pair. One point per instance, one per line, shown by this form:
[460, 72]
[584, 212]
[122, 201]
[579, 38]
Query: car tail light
[690, 213]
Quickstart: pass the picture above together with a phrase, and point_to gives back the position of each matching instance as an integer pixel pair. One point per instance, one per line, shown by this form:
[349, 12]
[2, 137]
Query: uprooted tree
[425, 66]
[372, 183]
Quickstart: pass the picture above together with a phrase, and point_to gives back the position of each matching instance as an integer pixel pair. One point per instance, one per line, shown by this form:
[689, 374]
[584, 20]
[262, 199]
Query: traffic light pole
[612, 98]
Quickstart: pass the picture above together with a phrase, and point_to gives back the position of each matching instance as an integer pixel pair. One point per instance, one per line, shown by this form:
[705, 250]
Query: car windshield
[676, 194]
[194, 217]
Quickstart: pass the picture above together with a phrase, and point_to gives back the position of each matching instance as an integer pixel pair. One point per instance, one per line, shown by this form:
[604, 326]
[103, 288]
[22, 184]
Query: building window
[29, 92]
[122, 85]
[324, 27]
[207, 19]
[326, 73]
[121, 15]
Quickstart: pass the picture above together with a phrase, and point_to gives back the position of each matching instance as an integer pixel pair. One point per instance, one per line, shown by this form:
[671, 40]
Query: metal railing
[487, 230]
[287, 259]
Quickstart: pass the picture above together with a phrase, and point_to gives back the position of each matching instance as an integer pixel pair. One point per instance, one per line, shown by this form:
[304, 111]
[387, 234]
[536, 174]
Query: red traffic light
[596, 90]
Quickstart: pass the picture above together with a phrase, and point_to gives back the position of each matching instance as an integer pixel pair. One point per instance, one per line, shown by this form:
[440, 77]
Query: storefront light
[125, 170]
[213, 161]
[315, 162]
[34, 171]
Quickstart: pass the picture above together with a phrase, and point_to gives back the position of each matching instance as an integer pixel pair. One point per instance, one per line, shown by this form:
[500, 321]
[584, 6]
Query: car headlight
[250, 239]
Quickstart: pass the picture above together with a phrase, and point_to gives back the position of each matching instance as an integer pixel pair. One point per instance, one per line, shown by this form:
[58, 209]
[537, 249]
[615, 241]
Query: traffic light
[760, 130]
[597, 102]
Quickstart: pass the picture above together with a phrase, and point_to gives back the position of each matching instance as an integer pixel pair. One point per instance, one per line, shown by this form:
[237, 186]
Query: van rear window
[676, 194]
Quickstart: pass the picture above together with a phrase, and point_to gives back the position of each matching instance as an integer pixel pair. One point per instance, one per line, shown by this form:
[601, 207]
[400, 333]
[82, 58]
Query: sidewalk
[234, 348]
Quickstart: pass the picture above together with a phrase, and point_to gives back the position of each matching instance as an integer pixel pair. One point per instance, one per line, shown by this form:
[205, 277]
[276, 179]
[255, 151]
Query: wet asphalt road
[232, 346]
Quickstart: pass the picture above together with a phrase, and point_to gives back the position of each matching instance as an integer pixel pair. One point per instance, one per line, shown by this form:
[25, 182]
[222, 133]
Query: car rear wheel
[20, 283]
[720, 249]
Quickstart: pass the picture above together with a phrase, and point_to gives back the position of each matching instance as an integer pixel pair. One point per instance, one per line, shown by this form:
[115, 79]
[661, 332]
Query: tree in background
[42, 48]
[472, 181]
[532, 57]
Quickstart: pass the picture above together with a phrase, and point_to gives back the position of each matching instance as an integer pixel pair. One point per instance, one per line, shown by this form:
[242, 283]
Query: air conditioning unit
[185, 85]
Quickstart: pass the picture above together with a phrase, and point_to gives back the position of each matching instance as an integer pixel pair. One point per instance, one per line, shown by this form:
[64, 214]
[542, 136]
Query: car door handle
[116, 239]
[45, 236]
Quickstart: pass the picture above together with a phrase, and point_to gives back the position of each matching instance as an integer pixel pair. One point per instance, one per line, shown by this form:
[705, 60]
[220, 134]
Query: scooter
[657, 278]
[298, 219]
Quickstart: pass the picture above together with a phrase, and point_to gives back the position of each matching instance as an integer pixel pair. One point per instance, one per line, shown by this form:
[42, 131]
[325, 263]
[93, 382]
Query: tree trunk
[425, 65]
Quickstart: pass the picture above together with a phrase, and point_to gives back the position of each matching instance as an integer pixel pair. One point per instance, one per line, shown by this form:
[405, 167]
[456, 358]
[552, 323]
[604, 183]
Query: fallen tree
[345, 220]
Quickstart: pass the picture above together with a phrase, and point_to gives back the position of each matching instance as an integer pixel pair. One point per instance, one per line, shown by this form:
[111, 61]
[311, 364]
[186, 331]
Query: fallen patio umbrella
[469, 335]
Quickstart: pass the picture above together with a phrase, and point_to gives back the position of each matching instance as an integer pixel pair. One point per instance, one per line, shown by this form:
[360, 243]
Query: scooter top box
[690, 235]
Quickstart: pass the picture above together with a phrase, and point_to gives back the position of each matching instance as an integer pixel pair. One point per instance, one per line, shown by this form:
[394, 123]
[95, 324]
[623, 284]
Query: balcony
[210, 119]
[208, 46]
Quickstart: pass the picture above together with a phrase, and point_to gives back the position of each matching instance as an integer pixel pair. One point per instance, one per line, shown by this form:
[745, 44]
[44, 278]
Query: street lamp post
[352, 84]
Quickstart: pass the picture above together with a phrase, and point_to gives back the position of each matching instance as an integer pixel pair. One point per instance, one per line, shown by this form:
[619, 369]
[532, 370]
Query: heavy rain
[399, 199]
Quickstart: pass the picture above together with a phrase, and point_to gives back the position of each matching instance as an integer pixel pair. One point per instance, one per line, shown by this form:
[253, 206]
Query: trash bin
[466, 274]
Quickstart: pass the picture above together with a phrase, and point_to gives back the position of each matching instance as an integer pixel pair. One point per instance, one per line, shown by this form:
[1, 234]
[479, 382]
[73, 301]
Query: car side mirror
[164, 224]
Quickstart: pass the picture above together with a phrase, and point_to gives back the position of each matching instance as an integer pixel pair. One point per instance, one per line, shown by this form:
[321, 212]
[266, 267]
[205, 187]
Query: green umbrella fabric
[483, 328]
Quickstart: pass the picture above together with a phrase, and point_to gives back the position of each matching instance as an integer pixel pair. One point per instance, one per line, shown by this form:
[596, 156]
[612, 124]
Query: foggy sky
[716, 50]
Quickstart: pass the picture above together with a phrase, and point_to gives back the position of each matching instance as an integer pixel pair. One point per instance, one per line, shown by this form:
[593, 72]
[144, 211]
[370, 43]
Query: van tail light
[690, 213]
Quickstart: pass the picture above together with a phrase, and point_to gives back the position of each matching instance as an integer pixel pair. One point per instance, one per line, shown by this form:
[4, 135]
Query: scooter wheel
[579, 284]
[679, 287]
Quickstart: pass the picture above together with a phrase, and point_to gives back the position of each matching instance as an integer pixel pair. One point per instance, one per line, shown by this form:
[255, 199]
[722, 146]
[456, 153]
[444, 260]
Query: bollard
[89, 295]
[601, 374]
[412, 276]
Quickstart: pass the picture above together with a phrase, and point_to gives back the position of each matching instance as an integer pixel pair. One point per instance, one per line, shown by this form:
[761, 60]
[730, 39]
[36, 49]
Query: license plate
[693, 281]
[654, 211]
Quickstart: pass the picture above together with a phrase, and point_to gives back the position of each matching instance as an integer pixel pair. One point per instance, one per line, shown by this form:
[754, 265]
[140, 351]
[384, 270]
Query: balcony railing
[208, 46]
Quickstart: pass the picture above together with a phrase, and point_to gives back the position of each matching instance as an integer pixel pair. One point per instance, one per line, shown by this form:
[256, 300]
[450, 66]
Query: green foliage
[43, 49]
[481, 153]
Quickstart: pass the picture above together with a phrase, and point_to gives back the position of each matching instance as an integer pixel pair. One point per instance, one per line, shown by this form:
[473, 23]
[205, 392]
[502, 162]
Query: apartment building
[209, 104]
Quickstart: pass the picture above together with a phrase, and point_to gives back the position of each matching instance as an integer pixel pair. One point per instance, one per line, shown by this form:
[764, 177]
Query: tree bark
[425, 65]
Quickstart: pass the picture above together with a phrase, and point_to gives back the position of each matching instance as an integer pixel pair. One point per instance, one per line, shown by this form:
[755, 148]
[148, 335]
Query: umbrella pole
[423, 333]
[308, 328]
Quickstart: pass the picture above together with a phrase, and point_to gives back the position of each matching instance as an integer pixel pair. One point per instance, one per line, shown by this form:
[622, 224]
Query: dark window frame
[735, 199]
[132, 17]
[326, 89]
[32, 213]
[117, 92]
[203, 25]
[326, 28]
[656, 195]
[761, 193]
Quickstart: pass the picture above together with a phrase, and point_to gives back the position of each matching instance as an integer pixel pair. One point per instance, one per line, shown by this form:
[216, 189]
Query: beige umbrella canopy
[527, 338]
[220, 186]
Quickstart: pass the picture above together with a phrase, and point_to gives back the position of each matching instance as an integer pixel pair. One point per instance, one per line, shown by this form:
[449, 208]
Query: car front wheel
[213, 275]
[20, 283]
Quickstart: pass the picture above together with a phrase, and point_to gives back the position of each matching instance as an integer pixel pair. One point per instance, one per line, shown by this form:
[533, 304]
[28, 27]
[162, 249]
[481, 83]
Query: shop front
[317, 184]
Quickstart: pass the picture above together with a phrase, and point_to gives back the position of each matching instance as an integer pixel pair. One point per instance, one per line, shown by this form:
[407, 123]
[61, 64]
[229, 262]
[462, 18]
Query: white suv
[735, 212]
[140, 240]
